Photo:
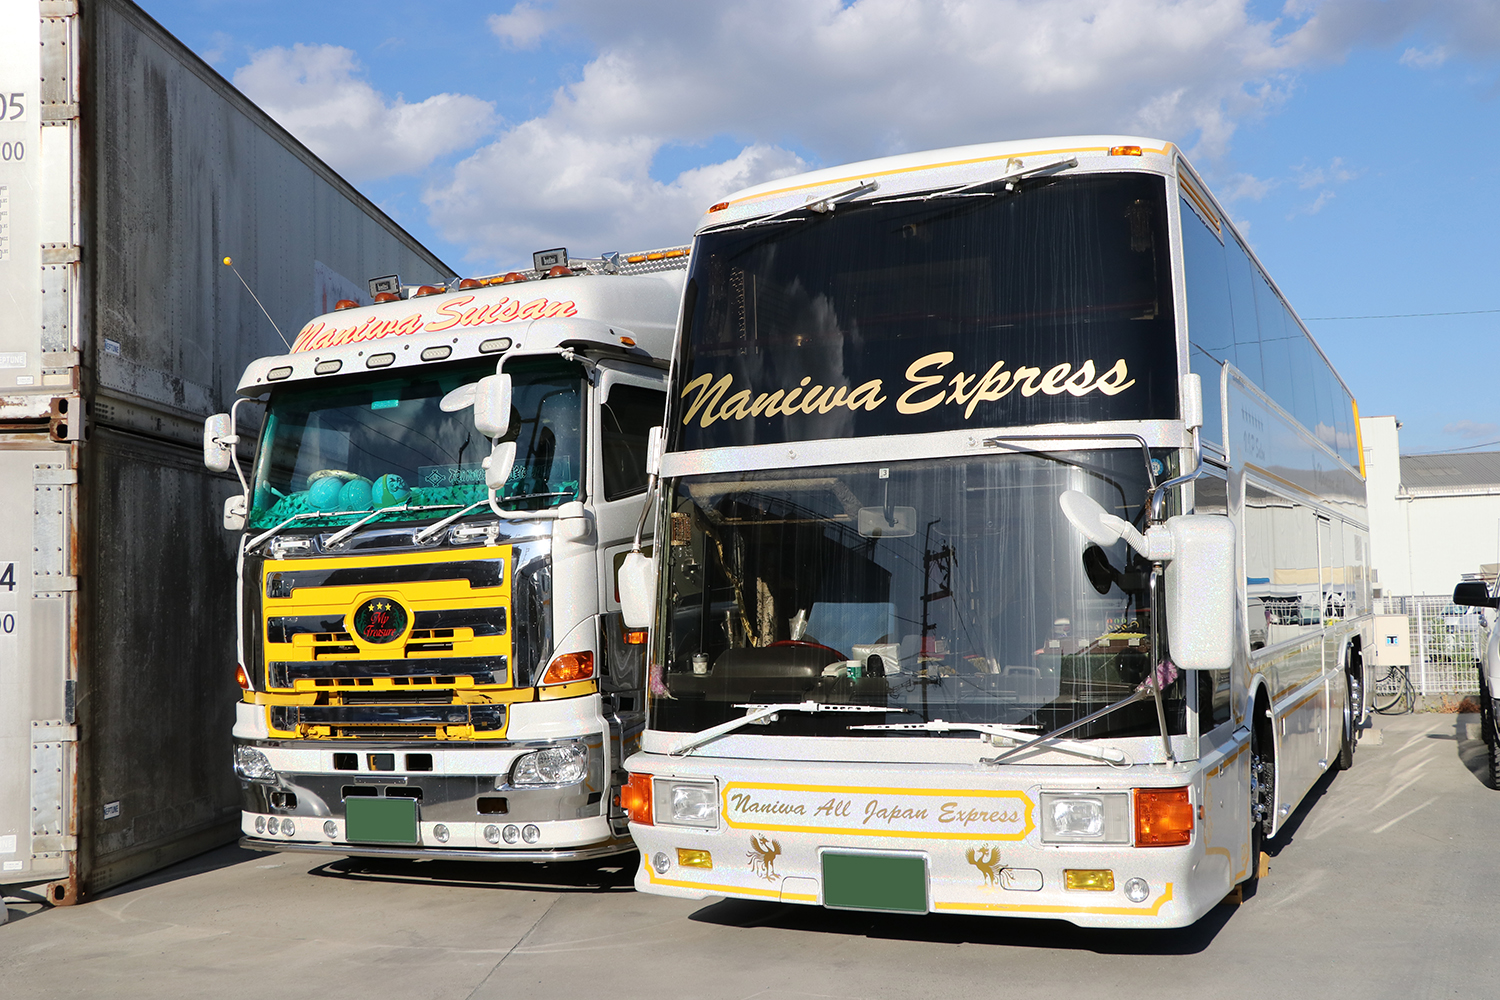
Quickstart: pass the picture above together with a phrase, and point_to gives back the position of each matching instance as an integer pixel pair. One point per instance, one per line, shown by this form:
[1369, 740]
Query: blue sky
[1356, 142]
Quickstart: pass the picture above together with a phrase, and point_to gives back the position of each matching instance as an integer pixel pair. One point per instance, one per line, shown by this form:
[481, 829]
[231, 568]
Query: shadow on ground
[603, 875]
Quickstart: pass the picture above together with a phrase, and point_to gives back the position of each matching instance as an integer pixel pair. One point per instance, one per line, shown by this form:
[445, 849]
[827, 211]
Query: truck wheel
[1262, 793]
[1346, 747]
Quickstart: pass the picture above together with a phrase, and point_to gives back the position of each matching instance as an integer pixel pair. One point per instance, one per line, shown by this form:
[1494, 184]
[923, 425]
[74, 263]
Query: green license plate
[380, 821]
[875, 882]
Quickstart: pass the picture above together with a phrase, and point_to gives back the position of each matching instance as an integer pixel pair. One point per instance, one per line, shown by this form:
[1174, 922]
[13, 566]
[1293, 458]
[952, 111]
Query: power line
[1447, 451]
[1467, 312]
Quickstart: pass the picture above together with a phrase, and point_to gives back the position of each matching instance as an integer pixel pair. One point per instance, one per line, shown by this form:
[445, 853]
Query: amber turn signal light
[1163, 817]
[569, 667]
[635, 799]
[1124, 151]
[242, 678]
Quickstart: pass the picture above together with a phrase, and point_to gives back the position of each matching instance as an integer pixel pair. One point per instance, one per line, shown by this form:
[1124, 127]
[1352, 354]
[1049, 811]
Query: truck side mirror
[1474, 594]
[499, 464]
[637, 590]
[492, 401]
[219, 440]
[234, 512]
[1200, 585]
[655, 439]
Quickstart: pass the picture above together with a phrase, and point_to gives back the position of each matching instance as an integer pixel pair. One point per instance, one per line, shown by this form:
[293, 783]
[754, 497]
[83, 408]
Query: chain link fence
[1446, 640]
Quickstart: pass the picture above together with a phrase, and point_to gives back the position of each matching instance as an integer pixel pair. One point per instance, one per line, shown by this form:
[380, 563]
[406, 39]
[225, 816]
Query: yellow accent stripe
[1224, 764]
[1111, 911]
[1359, 436]
[723, 890]
[1199, 201]
[933, 166]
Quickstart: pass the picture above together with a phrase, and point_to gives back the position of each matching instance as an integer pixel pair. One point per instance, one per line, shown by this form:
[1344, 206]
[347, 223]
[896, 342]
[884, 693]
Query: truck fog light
[288, 827]
[511, 833]
[252, 765]
[686, 803]
[1136, 890]
[440, 833]
[530, 833]
[492, 834]
[689, 857]
[330, 829]
[661, 862]
[260, 824]
[565, 765]
[1092, 879]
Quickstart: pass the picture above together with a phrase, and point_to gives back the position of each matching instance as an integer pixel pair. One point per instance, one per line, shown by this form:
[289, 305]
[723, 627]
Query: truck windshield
[950, 590]
[343, 449]
[1048, 304]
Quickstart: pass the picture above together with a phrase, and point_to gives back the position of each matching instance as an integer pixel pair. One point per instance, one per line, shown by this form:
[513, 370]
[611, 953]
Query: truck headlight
[1085, 817]
[252, 765]
[686, 803]
[565, 765]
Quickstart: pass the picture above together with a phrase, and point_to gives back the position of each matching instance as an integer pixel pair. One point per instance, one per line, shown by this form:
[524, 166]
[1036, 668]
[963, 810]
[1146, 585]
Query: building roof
[1454, 471]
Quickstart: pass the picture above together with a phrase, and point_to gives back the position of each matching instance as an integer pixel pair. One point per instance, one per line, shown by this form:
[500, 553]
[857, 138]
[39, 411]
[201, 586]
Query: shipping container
[129, 169]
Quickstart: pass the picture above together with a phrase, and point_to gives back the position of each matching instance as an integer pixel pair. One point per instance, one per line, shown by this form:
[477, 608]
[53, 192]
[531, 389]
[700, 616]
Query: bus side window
[1213, 699]
[1336, 594]
[625, 419]
[1210, 316]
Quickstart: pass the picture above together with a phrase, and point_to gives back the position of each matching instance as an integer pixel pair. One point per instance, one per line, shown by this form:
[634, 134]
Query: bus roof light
[1124, 151]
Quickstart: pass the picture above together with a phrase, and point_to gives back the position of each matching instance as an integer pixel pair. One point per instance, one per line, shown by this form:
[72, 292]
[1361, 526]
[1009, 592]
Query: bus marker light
[330, 829]
[661, 862]
[1136, 890]
[1163, 817]
[689, 857]
[635, 799]
[1124, 151]
[531, 833]
[1092, 879]
[635, 637]
[492, 834]
[440, 833]
[511, 833]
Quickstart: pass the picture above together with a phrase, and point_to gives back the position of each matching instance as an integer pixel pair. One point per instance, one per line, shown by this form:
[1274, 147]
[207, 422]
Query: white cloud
[1245, 187]
[522, 28]
[318, 94]
[1428, 58]
[1470, 429]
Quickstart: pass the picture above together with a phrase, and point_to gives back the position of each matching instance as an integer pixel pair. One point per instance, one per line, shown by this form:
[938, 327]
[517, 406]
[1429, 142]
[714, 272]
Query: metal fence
[1446, 640]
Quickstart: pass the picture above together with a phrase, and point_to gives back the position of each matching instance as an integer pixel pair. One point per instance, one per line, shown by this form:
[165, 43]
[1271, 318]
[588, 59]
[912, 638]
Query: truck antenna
[230, 264]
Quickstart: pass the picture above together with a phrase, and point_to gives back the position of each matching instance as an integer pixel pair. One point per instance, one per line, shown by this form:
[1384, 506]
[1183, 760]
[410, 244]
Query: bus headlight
[686, 803]
[1085, 818]
[565, 765]
[252, 765]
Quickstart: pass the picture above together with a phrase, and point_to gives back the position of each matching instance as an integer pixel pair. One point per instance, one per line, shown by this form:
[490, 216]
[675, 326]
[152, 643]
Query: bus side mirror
[1474, 594]
[492, 401]
[637, 590]
[655, 439]
[219, 440]
[1200, 585]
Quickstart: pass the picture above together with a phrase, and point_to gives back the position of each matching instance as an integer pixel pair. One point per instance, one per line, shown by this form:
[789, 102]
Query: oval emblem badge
[379, 619]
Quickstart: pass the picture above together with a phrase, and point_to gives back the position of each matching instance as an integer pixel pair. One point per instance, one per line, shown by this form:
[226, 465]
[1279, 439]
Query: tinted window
[1242, 282]
[626, 417]
[1209, 312]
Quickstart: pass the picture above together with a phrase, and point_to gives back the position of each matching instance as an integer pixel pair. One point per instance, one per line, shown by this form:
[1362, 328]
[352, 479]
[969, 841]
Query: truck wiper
[534, 496]
[1015, 734]
[431, 530]
[765, 713]
[273, 531]
[343, 533]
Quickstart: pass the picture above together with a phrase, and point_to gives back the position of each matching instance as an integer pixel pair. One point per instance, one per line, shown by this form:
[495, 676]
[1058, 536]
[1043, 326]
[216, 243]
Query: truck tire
[1346, 746]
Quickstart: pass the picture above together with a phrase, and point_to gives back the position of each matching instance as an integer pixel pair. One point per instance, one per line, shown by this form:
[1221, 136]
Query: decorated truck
[431, 650]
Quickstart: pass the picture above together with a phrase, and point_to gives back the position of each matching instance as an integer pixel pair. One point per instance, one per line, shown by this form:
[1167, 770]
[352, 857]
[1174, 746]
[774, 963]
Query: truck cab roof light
[494, 345]
[327, 367]
[277, 374]
[388, 297]
[428, 290]
[559, 271]
[470, 283]
[436, 353]
[719, 207]
[380, 361]
[511, 276]
[345, 304]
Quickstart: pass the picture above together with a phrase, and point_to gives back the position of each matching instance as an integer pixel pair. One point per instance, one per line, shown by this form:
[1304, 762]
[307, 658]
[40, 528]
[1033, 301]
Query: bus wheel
[1346, 747]
[1262, 789]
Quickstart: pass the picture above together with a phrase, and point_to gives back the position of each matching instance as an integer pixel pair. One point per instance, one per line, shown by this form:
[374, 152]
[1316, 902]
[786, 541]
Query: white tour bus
[1015, 553]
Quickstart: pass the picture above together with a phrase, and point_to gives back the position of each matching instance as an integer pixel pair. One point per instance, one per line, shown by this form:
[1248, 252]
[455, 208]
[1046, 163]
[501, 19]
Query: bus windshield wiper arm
[758, 713]
[1149, 688]
[822, 206]
[963, 189]
[1014, 733]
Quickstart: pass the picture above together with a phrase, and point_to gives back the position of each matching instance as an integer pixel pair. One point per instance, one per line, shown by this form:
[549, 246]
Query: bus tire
[1262, 787]
[1346, 746]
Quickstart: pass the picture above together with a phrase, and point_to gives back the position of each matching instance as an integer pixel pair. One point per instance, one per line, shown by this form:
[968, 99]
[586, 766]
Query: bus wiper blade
[1164, 674]
[823, 206]
[1012, 733]
[962, 190]
[758, 713]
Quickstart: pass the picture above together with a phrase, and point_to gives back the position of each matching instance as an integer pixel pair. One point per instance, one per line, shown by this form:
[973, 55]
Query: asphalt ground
[1383, 885]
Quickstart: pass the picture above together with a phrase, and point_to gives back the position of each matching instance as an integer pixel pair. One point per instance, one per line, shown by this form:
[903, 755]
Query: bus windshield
[1050, 303]
[950, 590]
[341, 450]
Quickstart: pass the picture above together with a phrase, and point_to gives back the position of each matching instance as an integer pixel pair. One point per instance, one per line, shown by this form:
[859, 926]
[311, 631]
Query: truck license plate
[896, 883]
[380, 821]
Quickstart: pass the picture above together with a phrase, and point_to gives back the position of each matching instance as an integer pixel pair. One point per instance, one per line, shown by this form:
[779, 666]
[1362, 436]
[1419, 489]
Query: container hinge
[61, 253]
[60, 112]
[68, 420]
[53, 731]
[53, 475]
[48, 586]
